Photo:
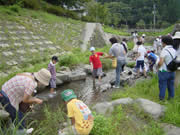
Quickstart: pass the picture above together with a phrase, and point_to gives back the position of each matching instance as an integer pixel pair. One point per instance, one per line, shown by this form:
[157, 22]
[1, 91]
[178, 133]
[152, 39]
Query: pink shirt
[17, 86]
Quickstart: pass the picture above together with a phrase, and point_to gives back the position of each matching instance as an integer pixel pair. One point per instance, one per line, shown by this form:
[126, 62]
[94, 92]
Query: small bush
[32, 4]
[15, 8]
[56, 10]
[131, 64]
[106, 64]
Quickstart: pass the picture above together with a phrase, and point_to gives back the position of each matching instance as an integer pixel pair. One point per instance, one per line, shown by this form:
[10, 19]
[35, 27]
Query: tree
[140, 24]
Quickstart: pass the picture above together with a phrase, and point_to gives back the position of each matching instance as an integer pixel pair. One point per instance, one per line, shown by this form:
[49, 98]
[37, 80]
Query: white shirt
[167, 57]
[142, 52]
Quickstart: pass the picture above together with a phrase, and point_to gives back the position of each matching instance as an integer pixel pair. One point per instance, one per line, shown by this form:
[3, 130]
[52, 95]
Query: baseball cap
[68, 95]
[92, 49]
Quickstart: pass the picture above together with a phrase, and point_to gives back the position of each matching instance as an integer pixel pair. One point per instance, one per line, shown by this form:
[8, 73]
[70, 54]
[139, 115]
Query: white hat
[92, 49]
[143, 35]
[43, 76]
[177, 35]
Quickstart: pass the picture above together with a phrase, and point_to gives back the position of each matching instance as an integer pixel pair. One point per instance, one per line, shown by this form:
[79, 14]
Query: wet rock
[122, 101]
[87, 69]
[63, 68]
[152, 108]
[58, 81]
[170, 129]
[105, 87]
[103, 108]
[74, 76]
[63, 76]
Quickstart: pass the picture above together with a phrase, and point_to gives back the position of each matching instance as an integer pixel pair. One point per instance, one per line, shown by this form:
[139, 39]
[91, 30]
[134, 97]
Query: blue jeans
[16, 116]
[120, 63]
[166, 80]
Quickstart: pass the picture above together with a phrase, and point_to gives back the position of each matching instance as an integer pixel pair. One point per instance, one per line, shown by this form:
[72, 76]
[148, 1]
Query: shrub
[56, 10]
[32, 4]
[15, 8]
[131, 64]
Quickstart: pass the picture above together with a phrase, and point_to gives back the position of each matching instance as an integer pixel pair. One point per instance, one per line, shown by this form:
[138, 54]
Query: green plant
[130, 45]
[115, 31]
[131, 64]
[15, 8]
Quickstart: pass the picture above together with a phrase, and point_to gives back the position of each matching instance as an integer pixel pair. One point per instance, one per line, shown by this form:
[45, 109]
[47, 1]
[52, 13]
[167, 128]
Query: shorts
[52, 83]
[140, 63]
[97, 72]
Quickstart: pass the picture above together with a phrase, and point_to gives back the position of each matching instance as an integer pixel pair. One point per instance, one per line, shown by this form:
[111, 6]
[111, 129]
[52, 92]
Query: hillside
[29, 37]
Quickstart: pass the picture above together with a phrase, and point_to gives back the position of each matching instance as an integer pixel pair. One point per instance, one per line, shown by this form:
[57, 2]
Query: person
[143, 38]
[81, 117]
[159, 44]
[117, 51]
[52, 70]
[96, 64]
[166, 77]
[20, 89]
[176, 39]
[140, 58]
[124, 43]
[151, 59]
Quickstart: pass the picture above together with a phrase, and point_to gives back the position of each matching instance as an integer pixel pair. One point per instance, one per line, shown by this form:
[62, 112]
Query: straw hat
[43, 76]
[177, 35]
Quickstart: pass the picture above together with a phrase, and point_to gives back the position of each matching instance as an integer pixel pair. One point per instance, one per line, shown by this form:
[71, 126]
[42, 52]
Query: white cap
[143, 35]
[92, 49]
[177, 35]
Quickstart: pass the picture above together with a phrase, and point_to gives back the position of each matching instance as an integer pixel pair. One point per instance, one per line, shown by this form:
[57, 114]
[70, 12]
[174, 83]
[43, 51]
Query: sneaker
[29, 131]
[116, 87]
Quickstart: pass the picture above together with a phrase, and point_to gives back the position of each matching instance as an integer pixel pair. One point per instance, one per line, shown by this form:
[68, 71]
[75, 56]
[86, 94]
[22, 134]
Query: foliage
[140, 24]
[130, 45]
[131, 64]
[111, 30]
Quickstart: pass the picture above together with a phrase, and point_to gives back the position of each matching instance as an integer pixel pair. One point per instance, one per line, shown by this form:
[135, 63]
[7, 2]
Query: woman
[166, 77]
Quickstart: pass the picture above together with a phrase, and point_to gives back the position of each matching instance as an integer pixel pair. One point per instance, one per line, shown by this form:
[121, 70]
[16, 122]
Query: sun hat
[43, 76]
[177, 35]
[68, 95]
[92, 49]
[143, 35]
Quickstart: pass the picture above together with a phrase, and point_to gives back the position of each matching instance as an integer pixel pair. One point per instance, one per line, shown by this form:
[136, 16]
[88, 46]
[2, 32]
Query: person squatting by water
[20, 89]
[81, 117]
[117, 51]
[52, 70]
[166, 77]
[96, 65]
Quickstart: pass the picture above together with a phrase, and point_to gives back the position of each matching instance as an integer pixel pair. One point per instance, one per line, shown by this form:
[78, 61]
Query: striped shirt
[17, 86]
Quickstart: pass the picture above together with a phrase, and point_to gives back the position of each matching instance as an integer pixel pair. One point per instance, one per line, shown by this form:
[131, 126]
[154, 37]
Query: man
[19, 89]
[96, 65]
[117, 51]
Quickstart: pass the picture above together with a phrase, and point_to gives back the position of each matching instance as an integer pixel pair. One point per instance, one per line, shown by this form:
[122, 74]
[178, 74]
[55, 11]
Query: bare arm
[161, 61]
[31, 100]
[72, 121]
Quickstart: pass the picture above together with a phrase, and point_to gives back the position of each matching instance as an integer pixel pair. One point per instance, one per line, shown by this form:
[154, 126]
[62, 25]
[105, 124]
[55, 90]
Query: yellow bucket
[114, 62]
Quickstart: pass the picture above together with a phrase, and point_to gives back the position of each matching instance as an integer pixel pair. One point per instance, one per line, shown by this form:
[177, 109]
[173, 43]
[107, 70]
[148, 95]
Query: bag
[174, 64]
[124, 47]
[114, 62]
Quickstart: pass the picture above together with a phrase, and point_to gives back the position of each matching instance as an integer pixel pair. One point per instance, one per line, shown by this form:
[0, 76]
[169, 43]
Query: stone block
[75, 76]
[123, 101]
[21, 51]
[35, 37]
[29, 43]
[103, 108]
[12, 32]
[4, 45]
[59, 82]
[63, 77]
[153, 109]
[7, 53]
[15, 38]
[17, 44]
[26, 38]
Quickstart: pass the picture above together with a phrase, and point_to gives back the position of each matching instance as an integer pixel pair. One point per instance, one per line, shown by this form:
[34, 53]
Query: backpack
[174, 64]
[124, 47]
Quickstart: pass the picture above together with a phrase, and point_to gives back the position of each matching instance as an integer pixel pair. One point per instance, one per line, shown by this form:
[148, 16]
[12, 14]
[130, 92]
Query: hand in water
[39, 101]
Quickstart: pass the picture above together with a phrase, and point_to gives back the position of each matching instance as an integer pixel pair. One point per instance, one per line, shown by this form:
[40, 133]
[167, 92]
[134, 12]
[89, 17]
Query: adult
[176, 39]
[143, 38]
[19, 89]
[117, 51]
[124, 43]
[140, 58]
[166, 77]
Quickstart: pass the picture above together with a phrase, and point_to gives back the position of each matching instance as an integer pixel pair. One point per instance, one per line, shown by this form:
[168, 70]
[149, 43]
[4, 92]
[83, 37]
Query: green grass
[155, 34]
[130, 45]
[115, 31]
[148, 89]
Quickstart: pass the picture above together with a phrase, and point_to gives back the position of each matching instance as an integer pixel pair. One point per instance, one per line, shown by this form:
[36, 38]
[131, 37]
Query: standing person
[143, 38]
[52, 70]
[117, 51]
[19, 89]
[140, 58]
[96, 65]
[166, 77]
[79, 113]
[176, 39]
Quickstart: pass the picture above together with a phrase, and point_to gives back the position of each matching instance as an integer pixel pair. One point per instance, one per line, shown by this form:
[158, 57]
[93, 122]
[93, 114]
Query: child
[80, 115]
[96, 64]
[52, 69]
[151, 60]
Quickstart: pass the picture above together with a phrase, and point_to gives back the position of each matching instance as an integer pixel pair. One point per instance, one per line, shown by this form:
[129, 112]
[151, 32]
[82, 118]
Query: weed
[115, 31]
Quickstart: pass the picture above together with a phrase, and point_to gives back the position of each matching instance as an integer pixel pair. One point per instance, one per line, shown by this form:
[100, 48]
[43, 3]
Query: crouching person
[19, 89]
[79, 113]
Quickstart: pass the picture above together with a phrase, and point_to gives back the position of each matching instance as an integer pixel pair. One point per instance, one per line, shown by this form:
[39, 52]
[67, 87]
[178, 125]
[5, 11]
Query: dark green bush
[15, 8]
[56, 10]
[32, 4]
